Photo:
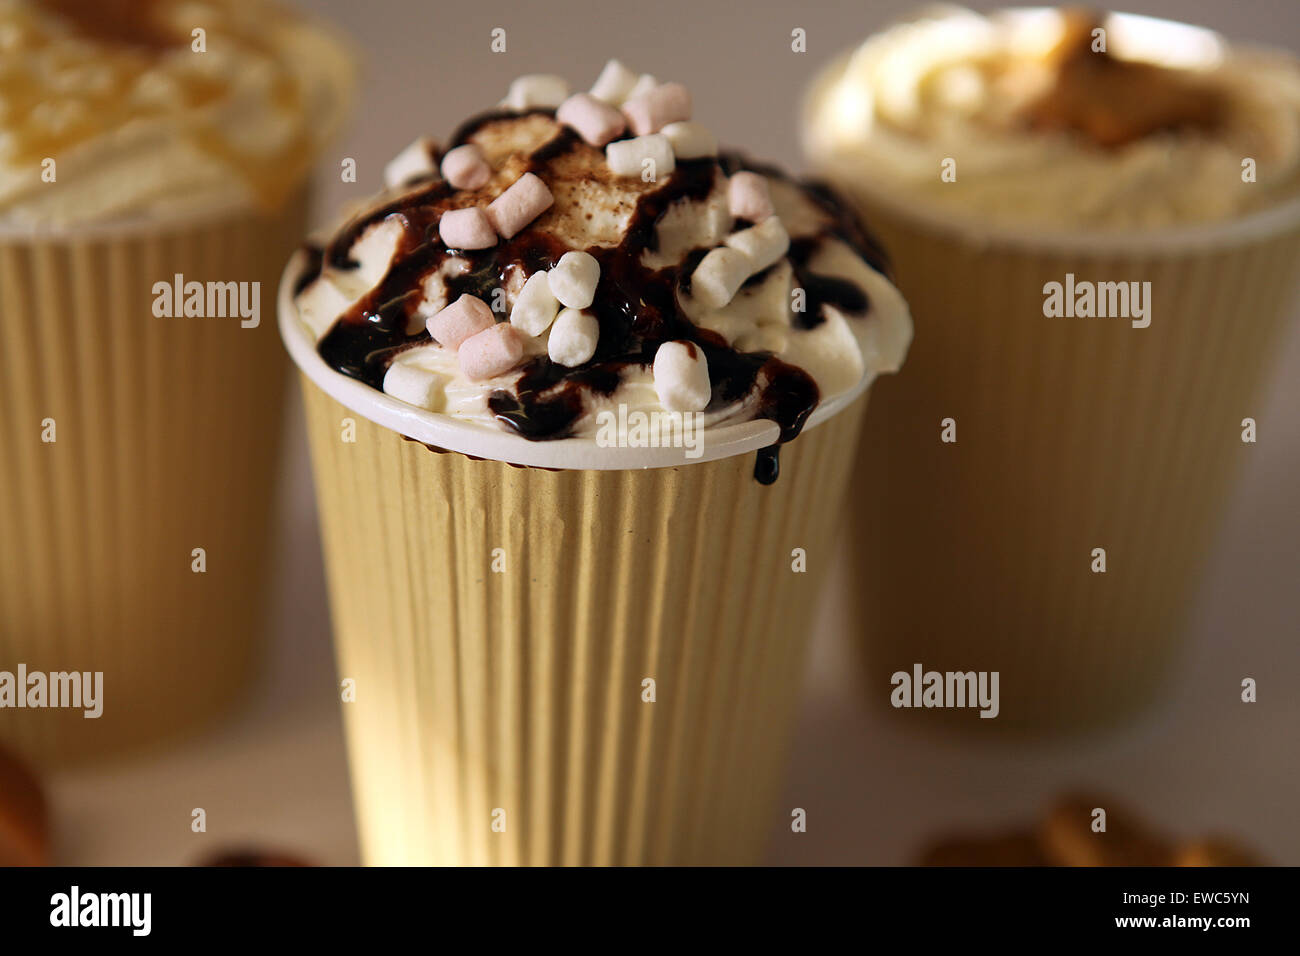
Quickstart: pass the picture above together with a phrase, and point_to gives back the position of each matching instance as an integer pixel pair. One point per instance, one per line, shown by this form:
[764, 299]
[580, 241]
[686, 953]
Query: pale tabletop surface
[275, 775]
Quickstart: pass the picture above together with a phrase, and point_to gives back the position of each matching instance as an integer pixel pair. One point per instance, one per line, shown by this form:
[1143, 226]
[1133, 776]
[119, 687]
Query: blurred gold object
[142, 149]
[1065, 836]
[24, 817]
[1068, 838]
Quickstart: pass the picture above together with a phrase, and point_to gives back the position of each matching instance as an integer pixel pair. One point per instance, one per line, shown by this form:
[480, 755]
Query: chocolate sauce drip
[339, 252]
[821, 290]
[767, 465]
[636, 307]
[361, 351]
[315, 256]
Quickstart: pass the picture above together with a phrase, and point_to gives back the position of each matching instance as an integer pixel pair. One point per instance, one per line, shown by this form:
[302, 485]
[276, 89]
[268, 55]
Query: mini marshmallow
[413, 162]
[491, 353]
[682, 377]
[573, 338]
[467, 228]
[627, 156]
[525, 200]
[651, 111]
[644, 84]
[764, 244]
[596, 122]
[536, 90]
[411, 384]
[574, 279]
[749, 196]
[719, 274]
[462, 320]
[691, 140]
[614, 84]
[535, 305]
[465, 168]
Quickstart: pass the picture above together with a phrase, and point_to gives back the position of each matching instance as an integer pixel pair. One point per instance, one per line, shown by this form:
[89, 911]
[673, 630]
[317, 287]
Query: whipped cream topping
[561, 279]
[141, 116]
[1043, 129]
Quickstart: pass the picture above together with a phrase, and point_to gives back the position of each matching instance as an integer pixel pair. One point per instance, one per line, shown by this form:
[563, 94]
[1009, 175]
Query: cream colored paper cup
[565, 665]
[1072, 434]
[165, 433]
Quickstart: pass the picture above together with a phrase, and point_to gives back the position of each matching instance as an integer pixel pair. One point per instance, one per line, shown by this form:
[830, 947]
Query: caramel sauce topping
[129, 22]
[1114, 102]
[109, 63]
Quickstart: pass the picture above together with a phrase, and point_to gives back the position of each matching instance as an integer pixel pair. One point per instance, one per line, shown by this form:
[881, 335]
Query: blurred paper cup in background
[1056, 470]
[152, 179]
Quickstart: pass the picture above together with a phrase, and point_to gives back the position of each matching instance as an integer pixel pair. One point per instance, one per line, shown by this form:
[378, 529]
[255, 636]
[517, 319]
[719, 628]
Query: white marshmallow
[644, 84]
[595, 121]
[764, 244]
[614, 83]
[574, 279]
[466, 168]
[719, 274]
[411, 384]
[535, 305]
[682, 377]
[414, 161]
[626, 156]
[573, 338]
[651, 111]
[749, 196]
[536, 90]
[691, 140]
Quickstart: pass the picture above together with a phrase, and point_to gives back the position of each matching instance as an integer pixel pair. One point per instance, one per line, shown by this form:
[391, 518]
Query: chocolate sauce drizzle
[635, 306]
[767, 465]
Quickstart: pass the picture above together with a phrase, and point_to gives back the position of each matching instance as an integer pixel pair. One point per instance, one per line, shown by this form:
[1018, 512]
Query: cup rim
[1240, 229]
[490, 442]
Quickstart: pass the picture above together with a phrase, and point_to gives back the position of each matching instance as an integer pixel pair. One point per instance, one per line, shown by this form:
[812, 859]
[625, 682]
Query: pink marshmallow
[491, 352]
[650, 112]
[467, 228]
[525, 200]
[596, 122]
[463, 319]
[749, 197]
[465, 168]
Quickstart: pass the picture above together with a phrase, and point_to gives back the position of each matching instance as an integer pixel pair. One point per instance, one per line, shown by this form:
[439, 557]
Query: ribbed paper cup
[500, 624]
[165, 436]
[1072, 434]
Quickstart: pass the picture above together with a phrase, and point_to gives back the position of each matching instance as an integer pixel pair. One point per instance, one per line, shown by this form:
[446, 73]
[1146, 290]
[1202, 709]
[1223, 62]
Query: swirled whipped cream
[571, 254]
[1039, 117]
[132, 107]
